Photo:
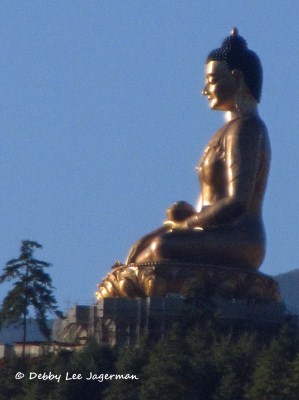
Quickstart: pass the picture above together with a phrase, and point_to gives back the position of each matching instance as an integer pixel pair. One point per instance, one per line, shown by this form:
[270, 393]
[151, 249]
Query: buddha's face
[221, 86]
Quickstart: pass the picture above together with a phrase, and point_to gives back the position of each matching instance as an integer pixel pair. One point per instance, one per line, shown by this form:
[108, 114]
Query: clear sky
[102, 124]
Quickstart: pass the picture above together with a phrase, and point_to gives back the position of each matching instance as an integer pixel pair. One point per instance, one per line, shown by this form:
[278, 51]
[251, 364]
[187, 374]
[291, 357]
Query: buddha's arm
[243, 147]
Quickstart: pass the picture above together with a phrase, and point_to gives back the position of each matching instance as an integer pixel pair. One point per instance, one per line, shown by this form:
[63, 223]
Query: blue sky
[102, 124]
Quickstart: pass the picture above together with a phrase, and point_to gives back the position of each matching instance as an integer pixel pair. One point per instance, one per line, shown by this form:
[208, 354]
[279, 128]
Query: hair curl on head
[236, 55]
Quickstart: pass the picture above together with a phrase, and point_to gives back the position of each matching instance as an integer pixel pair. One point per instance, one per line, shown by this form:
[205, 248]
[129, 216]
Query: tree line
[203, 358]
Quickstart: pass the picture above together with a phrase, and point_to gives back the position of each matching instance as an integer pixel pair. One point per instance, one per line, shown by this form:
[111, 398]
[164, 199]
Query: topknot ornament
[234, 31]
[234, 42]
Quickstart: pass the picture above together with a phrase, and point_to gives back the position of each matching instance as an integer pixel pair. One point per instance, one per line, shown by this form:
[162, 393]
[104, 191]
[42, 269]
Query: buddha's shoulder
[252, 126]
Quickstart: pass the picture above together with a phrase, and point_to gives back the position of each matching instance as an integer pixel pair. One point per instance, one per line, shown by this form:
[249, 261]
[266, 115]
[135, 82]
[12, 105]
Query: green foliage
[182, 363]
[8, 387]
[292, 382]
[37, 389]
[235, 359]
[32, 288]
[203, 371]
[168, 370]
[130, 361]
[271, 372]
[93, 358]
[198, 358]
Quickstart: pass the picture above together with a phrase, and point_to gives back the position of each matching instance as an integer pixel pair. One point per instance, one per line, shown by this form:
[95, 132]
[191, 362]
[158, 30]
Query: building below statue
[123, 321]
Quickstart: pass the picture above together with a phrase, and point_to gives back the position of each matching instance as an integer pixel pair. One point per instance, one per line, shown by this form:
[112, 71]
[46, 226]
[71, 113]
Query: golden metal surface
[158, 279]
[233, 171]
[227, 227]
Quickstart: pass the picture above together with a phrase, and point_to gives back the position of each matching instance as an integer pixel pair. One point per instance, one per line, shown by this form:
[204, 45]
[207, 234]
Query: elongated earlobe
[238, 76]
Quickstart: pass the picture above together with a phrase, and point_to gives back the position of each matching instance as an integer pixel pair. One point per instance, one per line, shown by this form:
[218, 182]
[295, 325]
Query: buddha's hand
[180, 211]
[175, 226]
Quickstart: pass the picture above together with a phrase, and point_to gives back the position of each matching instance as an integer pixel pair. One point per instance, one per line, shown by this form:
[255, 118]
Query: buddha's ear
[239, 78]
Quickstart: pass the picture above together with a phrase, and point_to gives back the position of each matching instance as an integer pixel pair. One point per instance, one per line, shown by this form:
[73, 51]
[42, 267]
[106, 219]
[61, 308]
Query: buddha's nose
[205, 91]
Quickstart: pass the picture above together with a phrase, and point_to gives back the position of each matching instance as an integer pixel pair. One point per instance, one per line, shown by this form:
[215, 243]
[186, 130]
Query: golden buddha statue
[226, 230]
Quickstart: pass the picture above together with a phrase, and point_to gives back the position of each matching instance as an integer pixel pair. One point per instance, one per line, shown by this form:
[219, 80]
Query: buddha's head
[232, 72]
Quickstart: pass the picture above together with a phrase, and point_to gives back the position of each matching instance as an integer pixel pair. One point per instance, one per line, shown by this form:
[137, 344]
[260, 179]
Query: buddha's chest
[211, 169]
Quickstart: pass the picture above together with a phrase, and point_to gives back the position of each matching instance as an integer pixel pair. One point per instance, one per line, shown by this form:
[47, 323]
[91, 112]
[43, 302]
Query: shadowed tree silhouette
[32, 288]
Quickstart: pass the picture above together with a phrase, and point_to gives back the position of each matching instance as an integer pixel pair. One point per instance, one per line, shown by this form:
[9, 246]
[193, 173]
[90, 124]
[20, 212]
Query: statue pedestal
[208, 281]
[139, 299]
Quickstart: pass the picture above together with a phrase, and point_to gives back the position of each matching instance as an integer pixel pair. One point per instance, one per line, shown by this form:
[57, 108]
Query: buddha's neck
[245, 107]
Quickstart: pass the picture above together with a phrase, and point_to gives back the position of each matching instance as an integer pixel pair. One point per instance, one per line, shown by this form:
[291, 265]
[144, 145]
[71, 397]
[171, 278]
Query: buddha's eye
[211, 79]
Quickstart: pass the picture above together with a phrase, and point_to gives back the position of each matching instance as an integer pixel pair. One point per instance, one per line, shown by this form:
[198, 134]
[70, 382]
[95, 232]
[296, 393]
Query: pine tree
[292, 382]
[236, 359]
[167, 374]
[8, 387]
[32, 288]
[203, 371]
[130, 361]
[270, 375]
[92, 358]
